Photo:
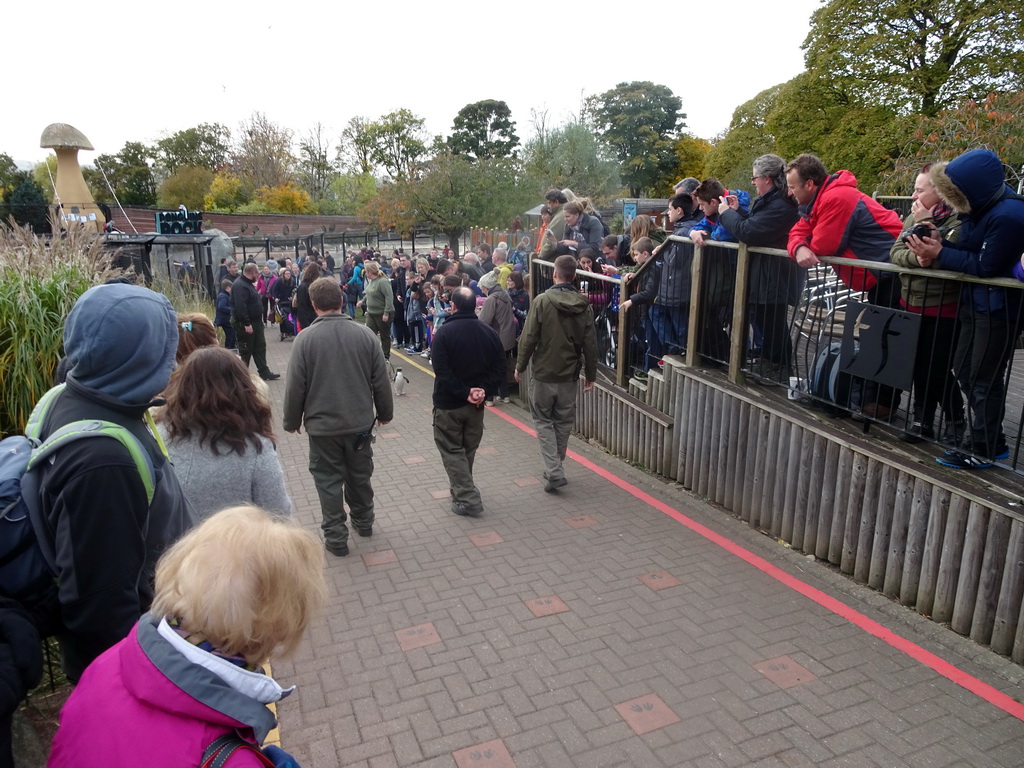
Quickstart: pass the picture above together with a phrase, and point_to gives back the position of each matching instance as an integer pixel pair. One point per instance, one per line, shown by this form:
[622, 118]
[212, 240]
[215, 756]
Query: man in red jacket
[837, 219]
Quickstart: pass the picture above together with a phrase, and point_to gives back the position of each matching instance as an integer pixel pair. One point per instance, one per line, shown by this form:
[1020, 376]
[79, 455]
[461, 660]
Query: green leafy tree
[354, 151]
[206, 145]
[263, 156]
[187, 186]
[640, 121]
[570, 156]
[398, 141]
[451, 195]
[45, 174]
[129, 175]
[919, 56]
[818, 116]
[350, 193]
[748, 138]
[455, 194]
[484, 129]
[10, 176]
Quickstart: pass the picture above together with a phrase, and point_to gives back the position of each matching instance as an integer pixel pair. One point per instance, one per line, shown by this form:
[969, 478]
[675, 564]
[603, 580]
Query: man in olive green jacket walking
[559, 328]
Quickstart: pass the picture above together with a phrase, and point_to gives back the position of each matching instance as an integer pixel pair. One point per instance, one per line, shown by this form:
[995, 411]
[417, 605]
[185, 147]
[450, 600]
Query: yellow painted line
[274, 737]
[425, 368]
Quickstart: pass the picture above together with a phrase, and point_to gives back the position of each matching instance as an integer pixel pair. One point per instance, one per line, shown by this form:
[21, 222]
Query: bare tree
[263, 157]
[316, 171]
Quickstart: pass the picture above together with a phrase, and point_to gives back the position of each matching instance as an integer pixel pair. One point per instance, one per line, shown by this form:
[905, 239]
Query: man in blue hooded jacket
[990, 245]
[106, 535]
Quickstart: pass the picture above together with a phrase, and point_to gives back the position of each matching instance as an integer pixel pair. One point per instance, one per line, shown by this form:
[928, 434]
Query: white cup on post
[795, 387]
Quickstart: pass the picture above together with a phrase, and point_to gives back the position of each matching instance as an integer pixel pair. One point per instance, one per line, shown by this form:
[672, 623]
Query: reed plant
[40, 280]
[185, 298]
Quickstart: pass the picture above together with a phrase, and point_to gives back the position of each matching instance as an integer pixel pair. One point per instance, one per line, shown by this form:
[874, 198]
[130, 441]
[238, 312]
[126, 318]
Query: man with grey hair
[686, 186]
[775, 283]
[471, 266]
[501, 265]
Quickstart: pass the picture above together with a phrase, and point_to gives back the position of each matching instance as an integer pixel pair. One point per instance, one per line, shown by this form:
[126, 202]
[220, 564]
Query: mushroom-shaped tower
[74, 196]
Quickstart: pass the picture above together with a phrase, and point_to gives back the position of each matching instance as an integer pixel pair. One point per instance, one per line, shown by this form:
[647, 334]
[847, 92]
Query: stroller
[287, 325]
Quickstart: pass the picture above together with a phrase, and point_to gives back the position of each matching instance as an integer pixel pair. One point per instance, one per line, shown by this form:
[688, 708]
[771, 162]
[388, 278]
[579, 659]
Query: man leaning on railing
[837, 219]
[775, 283]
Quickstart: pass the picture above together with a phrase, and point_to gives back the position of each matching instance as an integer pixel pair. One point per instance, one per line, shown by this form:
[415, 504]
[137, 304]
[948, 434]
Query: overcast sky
[140, 70]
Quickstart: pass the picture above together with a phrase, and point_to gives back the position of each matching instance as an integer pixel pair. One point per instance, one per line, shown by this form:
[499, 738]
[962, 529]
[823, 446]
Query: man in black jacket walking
[247, 320]
[469, 364]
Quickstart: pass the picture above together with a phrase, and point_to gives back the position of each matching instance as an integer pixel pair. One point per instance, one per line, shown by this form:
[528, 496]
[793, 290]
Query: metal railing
[754, 313]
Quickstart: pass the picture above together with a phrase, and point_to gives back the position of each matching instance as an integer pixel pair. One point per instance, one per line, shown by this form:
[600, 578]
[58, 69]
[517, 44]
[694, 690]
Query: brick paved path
[587, 628]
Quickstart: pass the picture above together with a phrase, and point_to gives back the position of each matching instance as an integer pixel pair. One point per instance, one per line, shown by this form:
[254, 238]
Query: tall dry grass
[40, 280]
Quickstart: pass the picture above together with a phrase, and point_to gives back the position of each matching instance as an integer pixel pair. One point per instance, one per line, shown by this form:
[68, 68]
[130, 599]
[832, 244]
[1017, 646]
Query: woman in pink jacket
[234, 590]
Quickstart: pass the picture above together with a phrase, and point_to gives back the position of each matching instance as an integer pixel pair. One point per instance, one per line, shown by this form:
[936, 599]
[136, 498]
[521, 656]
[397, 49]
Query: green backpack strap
[69, 433]
[38, 415]
[89, 428]
[84, 428]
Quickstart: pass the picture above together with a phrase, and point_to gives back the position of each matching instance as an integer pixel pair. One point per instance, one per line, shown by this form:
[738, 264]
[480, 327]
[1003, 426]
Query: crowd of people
[964, 219]
[150, 633]
[965, 336]
[199, 490]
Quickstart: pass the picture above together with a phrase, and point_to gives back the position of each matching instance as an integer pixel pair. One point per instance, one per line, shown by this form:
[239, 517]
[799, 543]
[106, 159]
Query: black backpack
[839, 391]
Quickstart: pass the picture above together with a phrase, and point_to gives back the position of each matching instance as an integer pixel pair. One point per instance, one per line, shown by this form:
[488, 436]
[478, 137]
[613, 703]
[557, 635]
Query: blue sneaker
[1001, 455]
[956, 460]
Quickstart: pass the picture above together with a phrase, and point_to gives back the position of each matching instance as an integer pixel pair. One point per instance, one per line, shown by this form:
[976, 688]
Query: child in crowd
[596, 290]
[415, 308]
[645, 294]
[438, 308]
[222, 319]
[520, 298]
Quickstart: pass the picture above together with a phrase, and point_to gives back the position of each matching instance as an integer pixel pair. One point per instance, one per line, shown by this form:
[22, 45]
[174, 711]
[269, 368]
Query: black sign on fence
[180, 222]
[880, 344]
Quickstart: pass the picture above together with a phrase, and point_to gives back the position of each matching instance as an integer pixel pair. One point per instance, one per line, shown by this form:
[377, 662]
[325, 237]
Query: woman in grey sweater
[219, 436]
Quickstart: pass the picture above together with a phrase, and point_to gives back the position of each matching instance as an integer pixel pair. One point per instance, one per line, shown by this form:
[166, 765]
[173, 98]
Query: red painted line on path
[990, 694]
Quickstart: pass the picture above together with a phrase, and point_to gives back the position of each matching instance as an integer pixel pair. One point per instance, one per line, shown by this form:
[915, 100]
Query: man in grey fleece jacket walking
[337, 385]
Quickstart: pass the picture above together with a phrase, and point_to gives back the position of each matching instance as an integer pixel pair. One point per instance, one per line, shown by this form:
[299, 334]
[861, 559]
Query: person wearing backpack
[96, 519]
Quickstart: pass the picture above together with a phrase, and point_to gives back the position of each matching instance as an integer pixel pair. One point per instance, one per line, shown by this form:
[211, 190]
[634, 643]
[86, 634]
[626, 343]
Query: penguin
[399, 382]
